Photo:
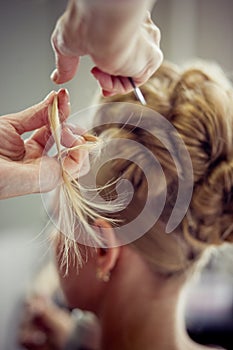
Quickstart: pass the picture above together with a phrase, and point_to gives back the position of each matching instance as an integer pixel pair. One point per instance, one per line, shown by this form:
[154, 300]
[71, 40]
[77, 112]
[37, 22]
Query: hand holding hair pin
[137, 92]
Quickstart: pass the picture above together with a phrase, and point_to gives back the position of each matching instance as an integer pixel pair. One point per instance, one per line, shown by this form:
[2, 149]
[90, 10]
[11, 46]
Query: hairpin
[137, 92]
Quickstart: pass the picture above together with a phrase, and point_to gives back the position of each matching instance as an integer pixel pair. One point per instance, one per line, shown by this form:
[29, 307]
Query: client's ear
[107, 256]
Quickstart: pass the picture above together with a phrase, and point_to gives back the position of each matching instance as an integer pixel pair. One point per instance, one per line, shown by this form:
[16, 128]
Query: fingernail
[63, 91]
[93, 71]
[94, 75]
[108, 93]
[54, 75]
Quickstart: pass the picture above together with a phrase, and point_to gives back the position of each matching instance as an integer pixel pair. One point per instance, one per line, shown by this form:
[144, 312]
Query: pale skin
[127, 44]
[20, 161]
[137, 308]
[120, 37]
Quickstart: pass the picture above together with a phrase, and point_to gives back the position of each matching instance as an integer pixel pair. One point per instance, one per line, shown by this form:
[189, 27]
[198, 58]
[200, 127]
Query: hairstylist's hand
[44, 326]
[20, 161]
[118, 35]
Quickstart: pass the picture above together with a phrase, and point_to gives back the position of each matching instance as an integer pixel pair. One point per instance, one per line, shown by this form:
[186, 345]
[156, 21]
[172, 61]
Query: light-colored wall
[189, 28]
[196, 28]
[26, 61]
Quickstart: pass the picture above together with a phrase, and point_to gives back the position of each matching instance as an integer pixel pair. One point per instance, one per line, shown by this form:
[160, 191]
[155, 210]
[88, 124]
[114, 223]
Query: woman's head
[198, 102]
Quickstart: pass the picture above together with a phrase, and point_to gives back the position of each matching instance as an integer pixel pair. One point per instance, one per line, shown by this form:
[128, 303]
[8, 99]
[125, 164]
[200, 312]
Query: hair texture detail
[77, 207]
[198, 101]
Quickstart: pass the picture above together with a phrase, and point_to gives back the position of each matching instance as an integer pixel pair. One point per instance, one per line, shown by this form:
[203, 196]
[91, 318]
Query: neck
[141, 312]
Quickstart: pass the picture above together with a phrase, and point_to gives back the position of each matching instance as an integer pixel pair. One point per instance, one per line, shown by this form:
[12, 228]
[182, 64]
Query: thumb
[66, 65]
[66, 62]
[66, 68]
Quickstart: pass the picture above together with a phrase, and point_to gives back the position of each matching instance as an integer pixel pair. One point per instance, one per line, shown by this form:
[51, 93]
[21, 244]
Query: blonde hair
[198, 102]
[76, 211]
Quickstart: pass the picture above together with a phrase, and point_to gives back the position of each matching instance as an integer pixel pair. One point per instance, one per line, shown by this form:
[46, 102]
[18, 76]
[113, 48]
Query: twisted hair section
[198, 101]
[77, 209]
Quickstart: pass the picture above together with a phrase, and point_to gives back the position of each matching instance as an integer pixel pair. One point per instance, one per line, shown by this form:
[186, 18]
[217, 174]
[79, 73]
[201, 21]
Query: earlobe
[107, 257]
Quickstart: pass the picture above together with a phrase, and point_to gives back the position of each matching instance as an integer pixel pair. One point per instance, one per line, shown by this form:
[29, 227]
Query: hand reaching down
[120, 37]
[25, 166]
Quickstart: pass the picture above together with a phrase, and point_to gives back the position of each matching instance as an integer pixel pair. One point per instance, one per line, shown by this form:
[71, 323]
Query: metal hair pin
[137, 92]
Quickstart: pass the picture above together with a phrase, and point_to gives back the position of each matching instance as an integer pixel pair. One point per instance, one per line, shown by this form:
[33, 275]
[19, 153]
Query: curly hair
[198, 102]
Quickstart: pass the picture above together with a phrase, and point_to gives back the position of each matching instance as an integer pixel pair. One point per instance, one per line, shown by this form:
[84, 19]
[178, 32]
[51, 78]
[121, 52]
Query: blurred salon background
[190, 29]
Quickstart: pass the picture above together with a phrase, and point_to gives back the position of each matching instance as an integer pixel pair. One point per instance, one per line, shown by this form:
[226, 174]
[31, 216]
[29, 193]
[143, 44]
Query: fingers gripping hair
[76, 210]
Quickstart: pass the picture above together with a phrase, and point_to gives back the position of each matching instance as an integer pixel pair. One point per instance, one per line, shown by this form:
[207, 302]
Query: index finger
[36, 116]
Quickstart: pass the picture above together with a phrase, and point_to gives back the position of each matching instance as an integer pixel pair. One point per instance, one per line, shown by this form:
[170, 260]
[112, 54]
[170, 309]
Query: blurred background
[190, 29]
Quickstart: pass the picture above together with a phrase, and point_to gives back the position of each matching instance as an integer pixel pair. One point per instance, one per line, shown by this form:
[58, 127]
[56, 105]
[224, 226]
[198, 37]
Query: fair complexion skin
[120, 38]
[25, 166]
[137, 308]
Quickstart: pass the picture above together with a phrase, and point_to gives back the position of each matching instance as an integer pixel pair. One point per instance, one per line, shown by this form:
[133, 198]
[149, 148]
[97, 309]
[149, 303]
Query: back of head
[198, 102]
